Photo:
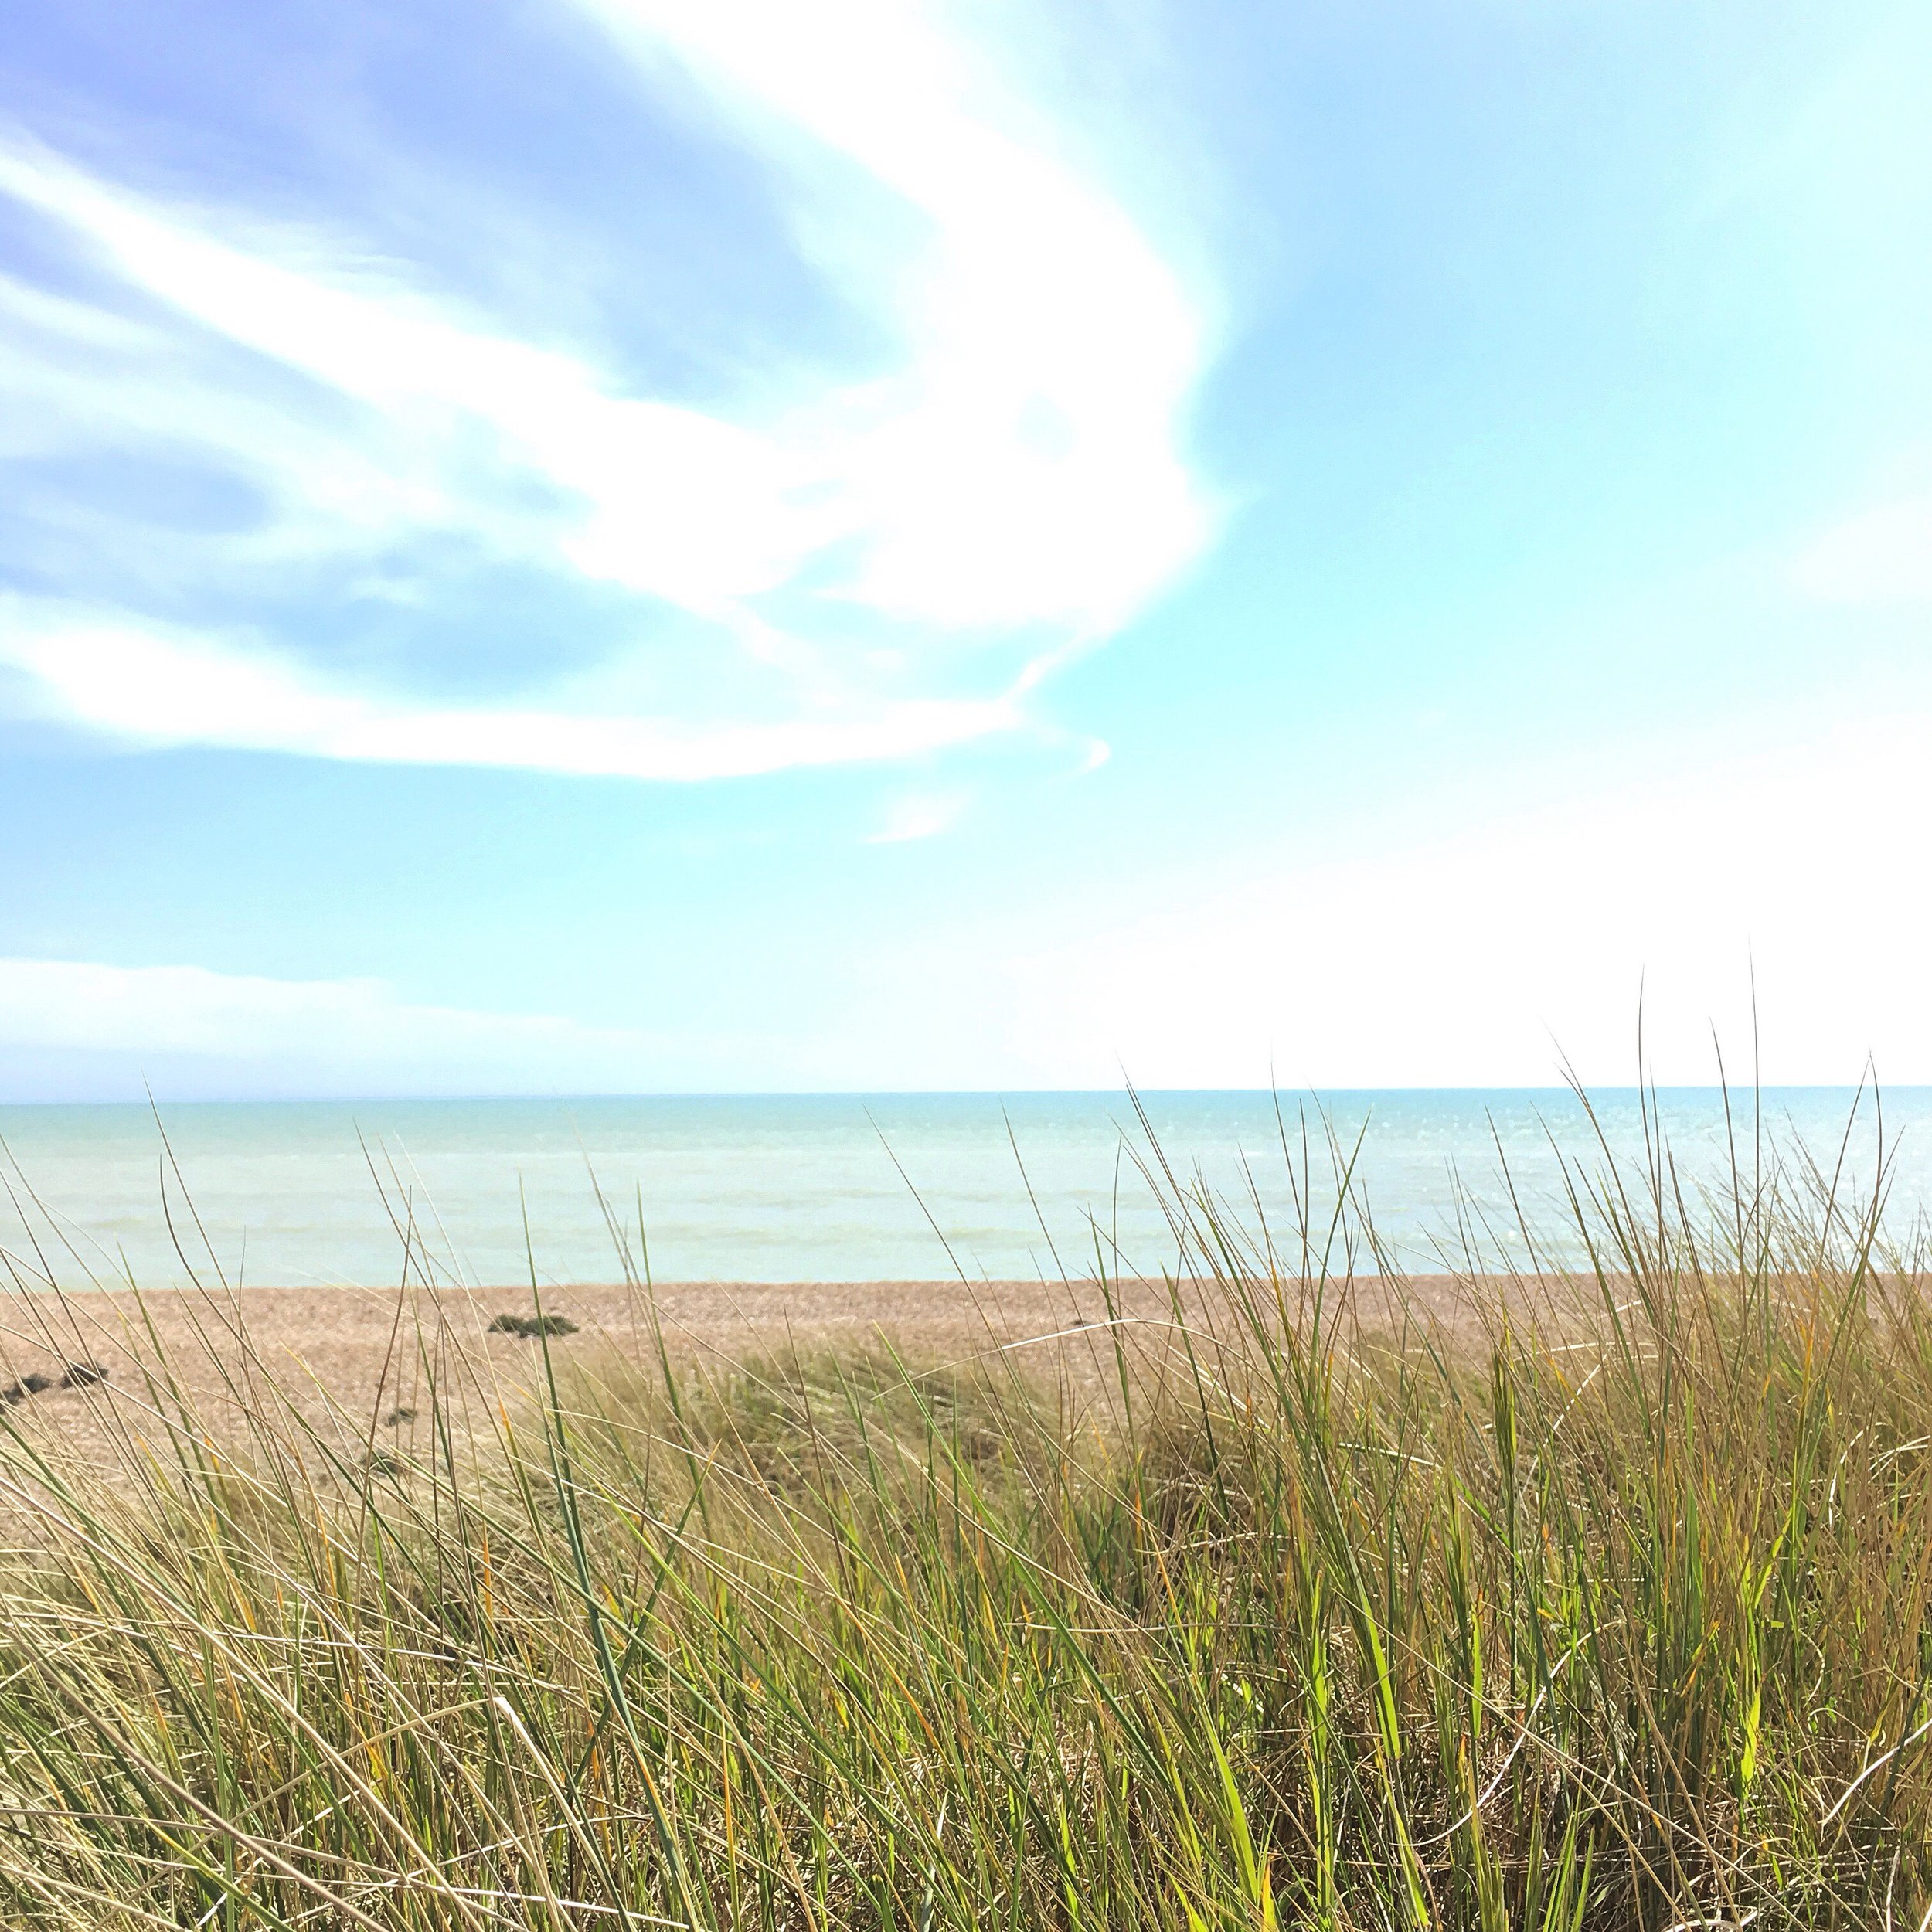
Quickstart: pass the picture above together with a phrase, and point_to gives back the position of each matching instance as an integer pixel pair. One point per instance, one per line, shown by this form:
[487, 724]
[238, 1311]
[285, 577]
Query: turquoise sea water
[811, 1188]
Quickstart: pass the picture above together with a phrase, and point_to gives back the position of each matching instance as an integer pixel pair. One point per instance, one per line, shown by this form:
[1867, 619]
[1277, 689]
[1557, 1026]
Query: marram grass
[1611, 1611]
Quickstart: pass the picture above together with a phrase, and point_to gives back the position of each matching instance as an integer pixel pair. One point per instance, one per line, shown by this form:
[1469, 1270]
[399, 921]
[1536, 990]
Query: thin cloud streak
[147, 688]
[343, 1035]
[178, 1009]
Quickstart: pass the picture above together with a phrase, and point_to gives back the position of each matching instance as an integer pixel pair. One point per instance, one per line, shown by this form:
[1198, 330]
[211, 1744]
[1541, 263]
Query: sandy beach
[358, 1356]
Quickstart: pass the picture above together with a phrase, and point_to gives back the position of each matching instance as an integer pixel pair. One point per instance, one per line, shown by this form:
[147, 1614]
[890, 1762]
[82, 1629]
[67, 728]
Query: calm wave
[824, 1188]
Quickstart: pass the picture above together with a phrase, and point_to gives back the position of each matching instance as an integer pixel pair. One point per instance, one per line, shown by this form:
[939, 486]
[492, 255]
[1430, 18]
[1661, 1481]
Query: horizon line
[1312, 1089]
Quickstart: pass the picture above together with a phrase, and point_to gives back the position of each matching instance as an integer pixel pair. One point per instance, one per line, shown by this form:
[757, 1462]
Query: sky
[669, 546]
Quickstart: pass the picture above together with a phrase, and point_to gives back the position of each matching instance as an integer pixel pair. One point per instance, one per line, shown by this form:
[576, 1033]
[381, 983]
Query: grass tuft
[1603, 1606]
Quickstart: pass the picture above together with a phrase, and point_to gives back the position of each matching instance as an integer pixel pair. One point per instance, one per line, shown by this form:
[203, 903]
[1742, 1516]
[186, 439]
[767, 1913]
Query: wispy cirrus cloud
[873, 568]
[150, 688]
[670, 501]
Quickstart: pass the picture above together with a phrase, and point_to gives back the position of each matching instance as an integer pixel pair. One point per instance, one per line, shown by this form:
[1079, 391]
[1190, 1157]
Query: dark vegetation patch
[78, 1374]
[532, 1327]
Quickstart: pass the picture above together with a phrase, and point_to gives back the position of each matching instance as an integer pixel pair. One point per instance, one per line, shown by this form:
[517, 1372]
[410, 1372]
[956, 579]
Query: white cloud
[1882, 556]
[1019, 474]
[1025, 465]
[149, 687]
[76, 379]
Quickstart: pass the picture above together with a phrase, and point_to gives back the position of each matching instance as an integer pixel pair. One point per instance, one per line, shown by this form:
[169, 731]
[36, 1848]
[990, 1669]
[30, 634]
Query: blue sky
[666, 545]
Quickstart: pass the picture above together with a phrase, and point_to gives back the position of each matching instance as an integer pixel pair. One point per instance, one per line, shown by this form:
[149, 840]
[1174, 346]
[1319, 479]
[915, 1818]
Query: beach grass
[1295, 1606]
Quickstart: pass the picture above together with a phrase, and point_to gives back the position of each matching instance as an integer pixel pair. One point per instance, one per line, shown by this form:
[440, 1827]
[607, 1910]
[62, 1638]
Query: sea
[845, 1187]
